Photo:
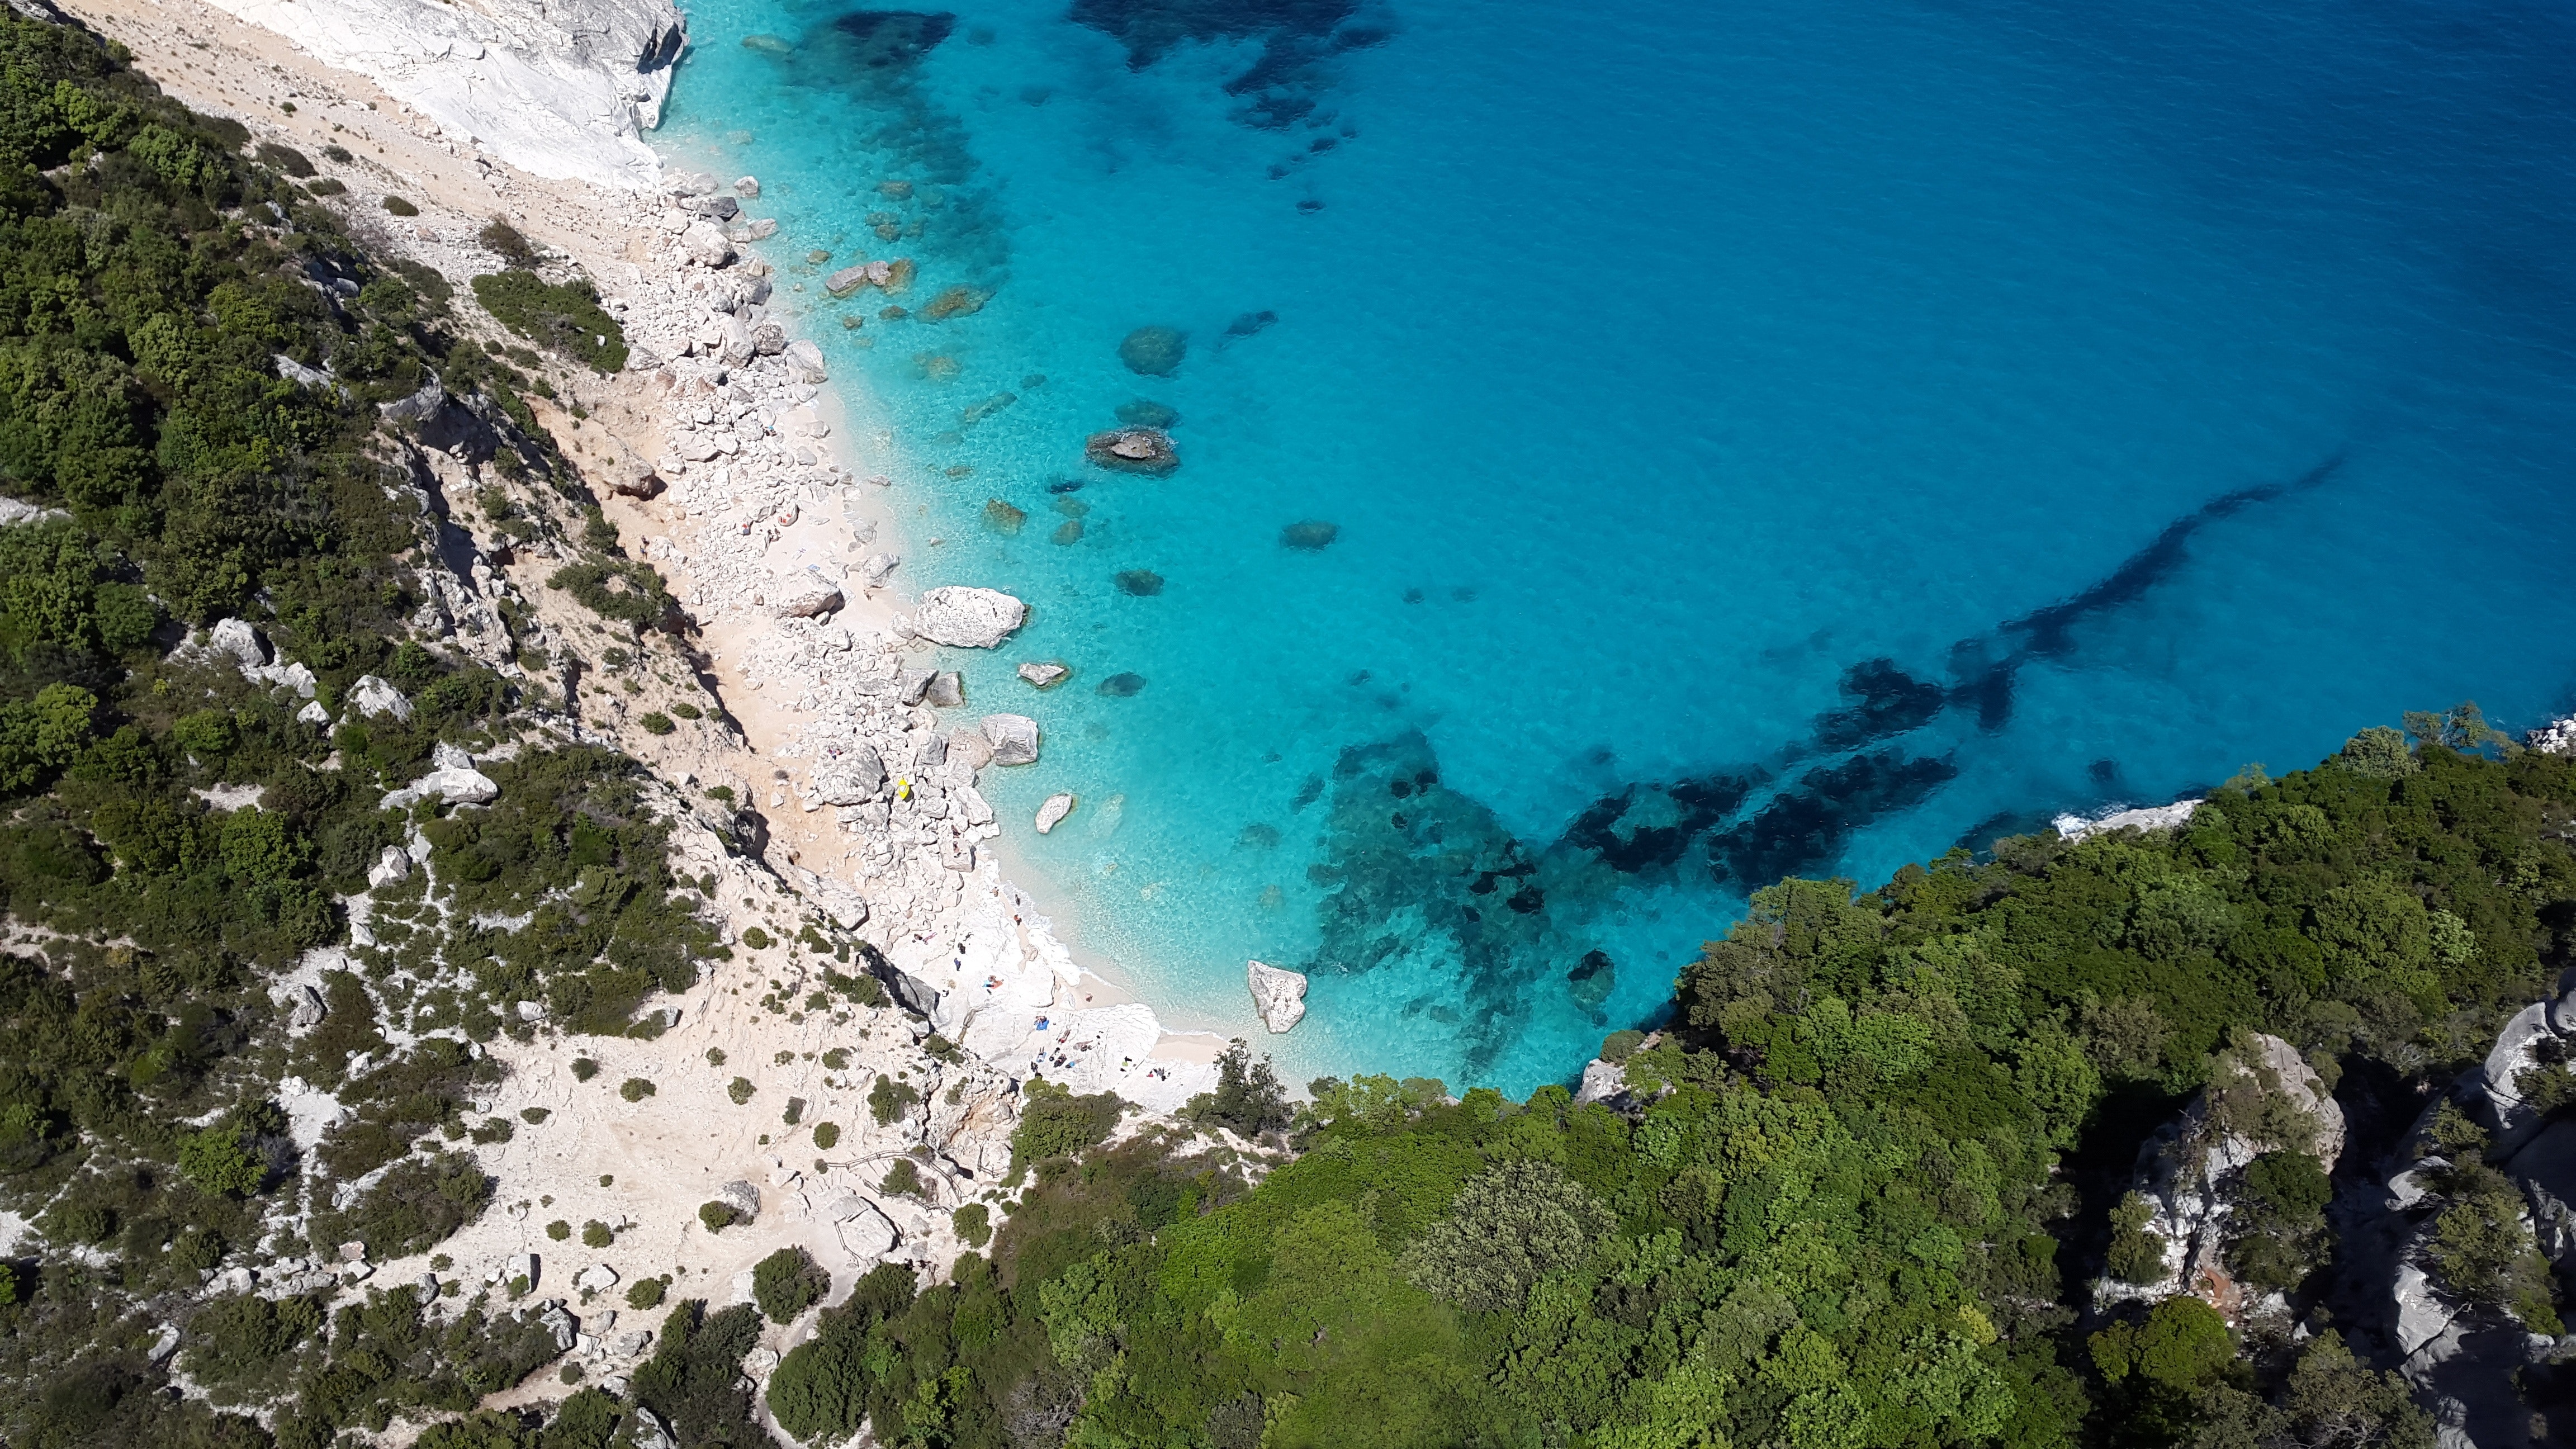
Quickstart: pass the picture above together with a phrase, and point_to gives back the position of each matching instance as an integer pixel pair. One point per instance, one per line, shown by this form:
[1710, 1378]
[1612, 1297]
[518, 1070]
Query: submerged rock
[1122, 686]
[968, 618]
[1132, 450]
[955, 302]
[1280, 996]
[1004, 518]
[1142, 583]
[1052, 813]
[1146, 413]
[1153, 351]
[1046, 673]
[848, 279]
[1067, 532]
[1311, 535]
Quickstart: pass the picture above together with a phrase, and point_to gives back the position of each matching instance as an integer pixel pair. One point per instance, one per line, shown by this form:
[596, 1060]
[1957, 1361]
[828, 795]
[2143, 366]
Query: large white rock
[805, 360]
[392, 867]
[1014, 738]
[597, 1278]
[807, 596]
[1279, 995]
[968, 618]
[374, 698]
[866, 1233]
[236, 640]
[1052, 813]
[456, 787]
[853, 779]
[706, 244]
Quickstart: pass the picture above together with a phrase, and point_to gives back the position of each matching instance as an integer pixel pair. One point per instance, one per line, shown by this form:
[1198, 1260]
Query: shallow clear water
[1661, 365]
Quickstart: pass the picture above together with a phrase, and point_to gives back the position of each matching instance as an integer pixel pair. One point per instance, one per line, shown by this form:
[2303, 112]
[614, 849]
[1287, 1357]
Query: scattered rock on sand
[1004, 518]
[1052, 813]
[1014, 738]
[1132, 450]
[808, 596]
[1045, 673]
[1142, 583]
[1312, 535]
[970, 748]
[706, 244]
[947, 690]
[857, 776]
[1280, 996]
[1153, 351]
[1123, 686]
[968, 618]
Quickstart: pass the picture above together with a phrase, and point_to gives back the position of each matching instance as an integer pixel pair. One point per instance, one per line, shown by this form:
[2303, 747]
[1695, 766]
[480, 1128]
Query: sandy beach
[737, 518]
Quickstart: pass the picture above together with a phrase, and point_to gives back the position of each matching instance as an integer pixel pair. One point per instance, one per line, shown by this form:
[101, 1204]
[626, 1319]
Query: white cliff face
[561, 88]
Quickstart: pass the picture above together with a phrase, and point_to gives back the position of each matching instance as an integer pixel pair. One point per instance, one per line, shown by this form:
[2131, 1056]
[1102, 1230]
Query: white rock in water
[877, 568]
[1014, 738]
[1045, 674]
[1052, 813]
[847, 280]
[1280, 996]
[968, 618]
[706, 243]
[373, 698]
[747, 187]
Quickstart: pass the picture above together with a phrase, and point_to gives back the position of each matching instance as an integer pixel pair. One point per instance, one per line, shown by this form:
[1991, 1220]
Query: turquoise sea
[1756, 439]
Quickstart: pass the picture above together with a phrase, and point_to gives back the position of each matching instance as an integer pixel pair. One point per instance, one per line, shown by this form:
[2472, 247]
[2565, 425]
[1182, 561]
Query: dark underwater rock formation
[1140, 583]
[1146, 413]
[1132, 450]
[1121, 686]
[1311, 535]
[1154, 351]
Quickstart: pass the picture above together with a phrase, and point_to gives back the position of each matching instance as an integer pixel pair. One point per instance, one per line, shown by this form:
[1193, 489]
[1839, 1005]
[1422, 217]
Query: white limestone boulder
[1279, 995]
[1014, 738]
[968, 618]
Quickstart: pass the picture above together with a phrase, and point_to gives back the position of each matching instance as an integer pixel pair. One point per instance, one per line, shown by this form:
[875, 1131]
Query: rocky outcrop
[1014, 738]
[968, 618]
[562, 88]
[1052, 813]
[1279, 995]
[2151, 817]
[1132, 450]
[2190, 1171]
[1044, 674]
[1153, 351]
[375, 698]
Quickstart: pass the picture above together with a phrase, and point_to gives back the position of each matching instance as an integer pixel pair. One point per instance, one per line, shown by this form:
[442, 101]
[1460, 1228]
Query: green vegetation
[788, 1282]
[596, 1234]
[565, 318]
[718, 1216]
[1849, 1208]
[890, 1099]
[647, 1292]
[826, 1136]
[636, 1089]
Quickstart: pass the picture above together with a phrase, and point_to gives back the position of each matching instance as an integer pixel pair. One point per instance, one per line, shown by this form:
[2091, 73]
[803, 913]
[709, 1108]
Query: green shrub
[974, 1223]
[756, 938]
[788, 1282]
[565, 318]
[827, 1135]
[583, 1069]
[647, 1292]
[505, 241]
[717, 1216]
[395, 204]
[596, 1234]
[1510, 1226]
[889, 1099]
[740, 1090]
[903, 1179]
[656, 723]
[1056, 1123]
[559, 1230]
[534, 1116]
[636, 1089]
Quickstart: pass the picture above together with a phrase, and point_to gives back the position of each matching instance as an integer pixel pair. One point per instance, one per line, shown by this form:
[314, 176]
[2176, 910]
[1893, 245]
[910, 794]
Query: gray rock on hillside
[968, 618]
[374, 698]
[1014, 738]
[742, 1197]
[808, 596]
[853, 779]
[1278, 994]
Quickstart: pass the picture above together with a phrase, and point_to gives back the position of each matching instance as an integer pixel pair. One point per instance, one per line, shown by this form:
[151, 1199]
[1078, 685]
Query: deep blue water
[1750, 432]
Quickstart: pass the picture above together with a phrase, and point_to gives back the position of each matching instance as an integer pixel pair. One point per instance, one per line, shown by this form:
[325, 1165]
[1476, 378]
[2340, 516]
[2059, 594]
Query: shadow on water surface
[1422, 877]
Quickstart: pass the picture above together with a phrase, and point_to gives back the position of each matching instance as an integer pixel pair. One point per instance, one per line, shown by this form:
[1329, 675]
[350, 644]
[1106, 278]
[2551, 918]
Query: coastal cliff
[565, 89]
